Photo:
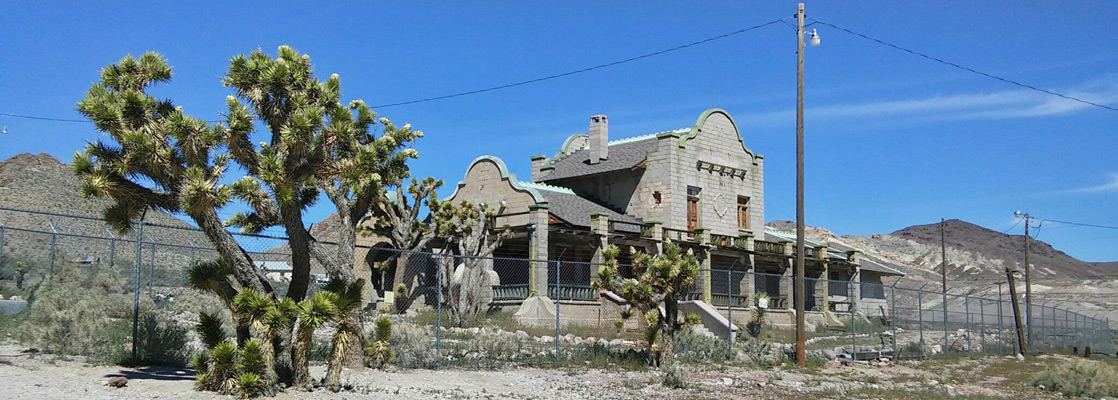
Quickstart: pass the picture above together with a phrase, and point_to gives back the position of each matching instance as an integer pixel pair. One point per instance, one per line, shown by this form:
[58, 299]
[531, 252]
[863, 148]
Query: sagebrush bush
[160, 341]
[1080, 378]
[75, 313]
[674, 376]
[692, 346]
[414, 346]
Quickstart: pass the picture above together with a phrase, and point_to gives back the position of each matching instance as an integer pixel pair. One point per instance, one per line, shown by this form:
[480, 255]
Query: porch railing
[630, 227]
[678, 235]
[722, 299]
[768, 247]
[728, 241]
[511, 292]
[572, 292]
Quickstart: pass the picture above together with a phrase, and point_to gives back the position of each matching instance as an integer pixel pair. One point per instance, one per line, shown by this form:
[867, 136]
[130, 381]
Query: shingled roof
[623, 155]
[574, 209]
[868, 263]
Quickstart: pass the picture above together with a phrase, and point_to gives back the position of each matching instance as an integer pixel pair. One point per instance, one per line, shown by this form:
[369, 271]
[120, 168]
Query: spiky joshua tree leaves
[346, 299]
[156, 157]
[657, 284]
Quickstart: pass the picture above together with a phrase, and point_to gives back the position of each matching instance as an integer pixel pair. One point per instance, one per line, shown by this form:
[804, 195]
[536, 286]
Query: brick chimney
[599, 138]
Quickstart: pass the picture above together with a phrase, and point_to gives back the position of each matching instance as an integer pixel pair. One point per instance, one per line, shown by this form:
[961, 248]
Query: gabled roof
[623, 154]
[564, 204]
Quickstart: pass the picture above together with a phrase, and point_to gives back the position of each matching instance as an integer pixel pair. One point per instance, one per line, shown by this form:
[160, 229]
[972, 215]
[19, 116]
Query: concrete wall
[485, 182]
[717, 142]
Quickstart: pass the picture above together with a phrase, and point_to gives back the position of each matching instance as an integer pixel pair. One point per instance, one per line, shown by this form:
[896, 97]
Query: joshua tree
[313, 313]
[347, 299]
[468, 225]
[378, 353]
[254, 309]
[658, 281]
[394, 214]
[162, 159]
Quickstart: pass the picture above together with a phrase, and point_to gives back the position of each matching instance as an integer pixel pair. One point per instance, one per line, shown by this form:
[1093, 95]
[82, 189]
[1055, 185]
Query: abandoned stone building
[698, 186]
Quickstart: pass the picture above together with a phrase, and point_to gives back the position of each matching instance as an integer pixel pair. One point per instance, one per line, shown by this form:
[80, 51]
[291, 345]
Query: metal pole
[800, 287]
[53, 242]
[920, 312]
[730, 311]
[439, 318]
[151, 274]
[893, 312]
[853, 325]
[1, 243]
[966, 325]
[1000, 317]
[136, 289]
[982, 324]
[558, 297]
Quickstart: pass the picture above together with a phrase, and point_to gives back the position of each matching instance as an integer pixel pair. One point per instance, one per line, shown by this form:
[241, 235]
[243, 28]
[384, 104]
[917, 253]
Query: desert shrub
[414, 346]
[1080, 378]
[75, 313]
[758, 352]
[160, 341]
[250, 385]
[674, 376]
[19, 276]
[693, 346]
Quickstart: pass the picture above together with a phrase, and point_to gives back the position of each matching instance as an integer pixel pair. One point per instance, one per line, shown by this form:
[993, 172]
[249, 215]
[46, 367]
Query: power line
[505, 86]
[579, 71]
[1081, 224]
[42, 118]
[968, 69]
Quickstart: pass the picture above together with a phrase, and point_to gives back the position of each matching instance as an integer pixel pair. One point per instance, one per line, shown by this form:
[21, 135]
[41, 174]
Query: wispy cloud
[973, 106]
[1111, 186]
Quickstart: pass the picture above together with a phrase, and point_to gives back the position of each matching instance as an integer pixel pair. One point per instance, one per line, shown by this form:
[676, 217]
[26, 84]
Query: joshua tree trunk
[667, 338]
[300, 358]
[337, 355]
[281, 346]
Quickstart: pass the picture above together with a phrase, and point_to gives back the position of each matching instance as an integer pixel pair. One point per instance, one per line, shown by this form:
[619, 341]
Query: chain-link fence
[483, 311]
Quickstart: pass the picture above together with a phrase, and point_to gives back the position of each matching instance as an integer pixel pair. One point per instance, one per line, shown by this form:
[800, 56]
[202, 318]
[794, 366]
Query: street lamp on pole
[801, 356]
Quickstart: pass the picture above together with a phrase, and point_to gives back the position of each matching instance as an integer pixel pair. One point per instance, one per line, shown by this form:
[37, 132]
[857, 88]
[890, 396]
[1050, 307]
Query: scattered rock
[522, 336]
[118, 382]
[603, 343]
[1020, 357]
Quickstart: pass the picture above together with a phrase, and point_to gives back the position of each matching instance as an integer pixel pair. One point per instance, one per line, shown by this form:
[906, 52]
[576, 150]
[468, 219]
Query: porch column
[821, 282]
[748, 286]
[538, 215]
[657, 229]
[599, 226]
[788, 277]
[702, 235]
[855, 257]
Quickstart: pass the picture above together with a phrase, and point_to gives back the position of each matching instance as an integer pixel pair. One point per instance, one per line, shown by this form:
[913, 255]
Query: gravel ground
[47, 377]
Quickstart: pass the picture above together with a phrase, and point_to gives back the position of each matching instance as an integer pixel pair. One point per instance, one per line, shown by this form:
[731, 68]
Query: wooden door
[692, 213]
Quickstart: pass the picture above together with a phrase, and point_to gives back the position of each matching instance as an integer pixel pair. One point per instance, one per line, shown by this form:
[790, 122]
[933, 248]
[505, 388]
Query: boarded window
[692, 208]
[743, 212]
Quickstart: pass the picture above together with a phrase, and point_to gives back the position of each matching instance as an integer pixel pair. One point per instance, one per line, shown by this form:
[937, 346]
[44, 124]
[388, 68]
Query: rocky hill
[43, 183]
[977, 258]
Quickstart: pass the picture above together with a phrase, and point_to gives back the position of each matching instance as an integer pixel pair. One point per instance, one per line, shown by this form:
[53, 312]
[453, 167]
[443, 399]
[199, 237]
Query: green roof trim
[505, 175]
[697, 128]
[538, 157]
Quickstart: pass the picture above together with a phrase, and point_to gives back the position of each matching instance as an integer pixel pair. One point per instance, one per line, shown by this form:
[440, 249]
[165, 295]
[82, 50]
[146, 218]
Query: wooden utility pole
[1028, 288]
[943, 275]
[1016, 312]
[801, 356]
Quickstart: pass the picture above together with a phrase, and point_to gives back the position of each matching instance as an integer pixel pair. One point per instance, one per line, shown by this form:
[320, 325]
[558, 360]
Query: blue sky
[892, 140]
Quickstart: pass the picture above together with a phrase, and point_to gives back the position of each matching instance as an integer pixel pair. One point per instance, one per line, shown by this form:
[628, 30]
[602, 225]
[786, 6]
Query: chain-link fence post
[558, 299]
[853, 324]
[53, 242]
[730, 313]
[920, 315]
[893, 314]
[439, 301]
[982, 324]
[1, 243]
[946, 340]
[966, 325]
[136, 288]
[1001, 332]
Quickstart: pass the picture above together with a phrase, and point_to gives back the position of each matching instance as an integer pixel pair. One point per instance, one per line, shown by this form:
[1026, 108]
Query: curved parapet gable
[486, 171]
[702, 121]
